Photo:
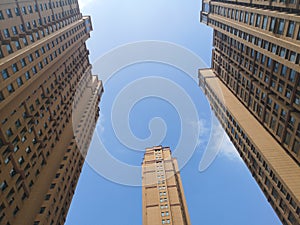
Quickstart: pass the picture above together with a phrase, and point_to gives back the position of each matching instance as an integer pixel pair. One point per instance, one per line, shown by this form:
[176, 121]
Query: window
[34, 70]
[272, 24]
[280, 26]
[9, 14]
[291, 29]
[14, 67]
[30, 9]
[28, 150]
[25, 41]
[24, 10]
[17, 44]
[5, 74]
[9, 49]
[30, 58]
[10, 88]
[19, 81]
[292, 75]
[6, 33]
[265, 21]
[17, 11]
[47, 197]
[3, 185]
[22, 28]
[27, 75]
[18, 123]
[1, 54]
[23, 62]
[257, 24]
[21, 160]
[16, 210]
[37, 54]
[1, 15]
[1, 98]
[296, 146]
[14, 30]
[42, 210]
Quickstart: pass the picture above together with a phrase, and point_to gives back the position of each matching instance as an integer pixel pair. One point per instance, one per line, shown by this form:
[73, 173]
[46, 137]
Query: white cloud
[203, 130]
[228, 150]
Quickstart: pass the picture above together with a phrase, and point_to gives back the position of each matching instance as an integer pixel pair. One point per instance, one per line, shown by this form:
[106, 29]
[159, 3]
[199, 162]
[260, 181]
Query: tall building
[48, 108]
[254, 89]
[163, 197]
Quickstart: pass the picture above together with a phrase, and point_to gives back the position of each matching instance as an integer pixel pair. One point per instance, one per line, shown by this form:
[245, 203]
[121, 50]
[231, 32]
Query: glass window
[6, 33]
[265, 22]
[9, 132]
[9, 14]
[10, 88]
[5, 74]
[272, 24]
[27, 75]
[14, 67]
[280, 26]
[30, 9]
[24, 10]
[258, 18]
[14, 30]
[246, 17]
[17, 44]
[1, 98]
[292, 75]
[291, 29]
[30, 58]
[17, 11]
[34, 70]
[1, 15]
[23, 62]
[3, 185]
[19, 81]
[22, 28]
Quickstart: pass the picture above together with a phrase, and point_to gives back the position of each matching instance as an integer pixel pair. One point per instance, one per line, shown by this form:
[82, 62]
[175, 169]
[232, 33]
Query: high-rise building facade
[48, 108]
[163, 197]
[254, 89]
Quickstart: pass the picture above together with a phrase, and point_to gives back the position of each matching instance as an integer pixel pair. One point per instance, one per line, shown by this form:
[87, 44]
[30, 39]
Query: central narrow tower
[163, 198]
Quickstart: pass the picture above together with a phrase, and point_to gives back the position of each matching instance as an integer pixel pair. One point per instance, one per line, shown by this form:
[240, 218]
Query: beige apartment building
[163, 196]
[254, 89]
[48, 108]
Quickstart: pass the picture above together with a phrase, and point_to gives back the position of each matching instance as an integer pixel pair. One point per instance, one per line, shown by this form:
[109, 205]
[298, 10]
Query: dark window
[23, 62]
[1, 96]
[14, 30]
[9, 14]
[9, 49]
[291, 29]
[5, 74]
[280, 26]
[10, 88]
[6, 33]
[1, 15]
[17, 11]
[3, 185]
[27, 75]
[30, 9]
[272, 24]
[24, 10]
[19, 81]
[15, 67]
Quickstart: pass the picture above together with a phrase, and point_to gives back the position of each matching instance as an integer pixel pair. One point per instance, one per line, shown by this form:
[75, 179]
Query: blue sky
[225, 193]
